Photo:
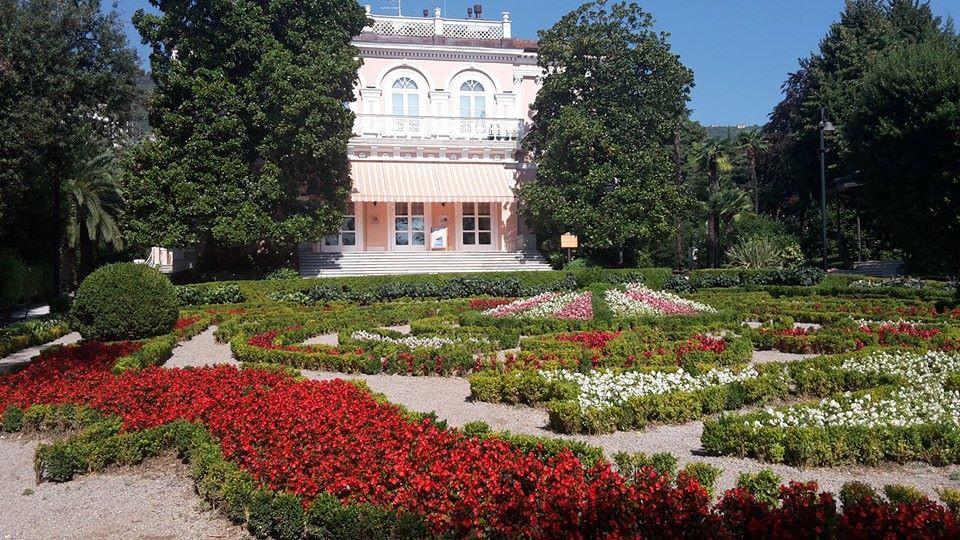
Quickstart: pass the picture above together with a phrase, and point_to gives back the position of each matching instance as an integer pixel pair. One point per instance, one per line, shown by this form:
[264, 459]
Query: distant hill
[729, 132]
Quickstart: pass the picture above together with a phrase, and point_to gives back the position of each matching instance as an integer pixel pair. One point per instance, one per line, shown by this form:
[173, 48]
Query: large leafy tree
[831, 78]
[603, 136]
[904, 138]
[249, 121]
[67, 88]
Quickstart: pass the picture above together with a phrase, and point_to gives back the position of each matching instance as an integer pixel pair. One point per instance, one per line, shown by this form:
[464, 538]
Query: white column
[437, 22]
[507, 30]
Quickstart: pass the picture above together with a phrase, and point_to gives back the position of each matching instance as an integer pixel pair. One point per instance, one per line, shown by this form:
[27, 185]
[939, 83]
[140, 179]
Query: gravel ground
[153, 501]
[24, 356]
[766, 357]
[202, 350]
[449, 398]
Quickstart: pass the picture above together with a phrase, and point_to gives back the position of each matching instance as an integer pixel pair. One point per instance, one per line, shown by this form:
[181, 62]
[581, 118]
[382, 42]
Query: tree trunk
[754, 184]
[713, 225]
[678, 179]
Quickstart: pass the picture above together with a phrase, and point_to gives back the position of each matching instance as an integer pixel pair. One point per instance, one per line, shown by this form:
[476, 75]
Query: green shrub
[224, 294]
[153, 353]
[124, 301]
[950, 498]
[853, 492]
[12, 419]
[477, 428]
[705, 473]
[13, 279]
[901, 494]
[629, 464]
[764, 485]
[283, 273]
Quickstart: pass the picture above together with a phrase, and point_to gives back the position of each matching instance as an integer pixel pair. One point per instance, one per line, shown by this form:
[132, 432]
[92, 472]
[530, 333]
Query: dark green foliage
[901, 494]
[328, 519]
[20, 282]
[283, 273]
[250, 127]
[229, 293]
[605, 164]
[12, 419]
[67, 91]
[276, 515]
[853, 492]
[705, 473]
[630, 464]
[903, 137]
[125, 301]
[764, 484]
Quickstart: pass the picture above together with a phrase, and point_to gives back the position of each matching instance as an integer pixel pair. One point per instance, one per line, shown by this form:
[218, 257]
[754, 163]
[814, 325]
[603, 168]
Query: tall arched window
[473, 100]
[406, 97]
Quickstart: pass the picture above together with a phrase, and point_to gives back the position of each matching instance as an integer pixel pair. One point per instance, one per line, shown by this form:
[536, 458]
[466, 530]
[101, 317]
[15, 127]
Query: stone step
[387, 263]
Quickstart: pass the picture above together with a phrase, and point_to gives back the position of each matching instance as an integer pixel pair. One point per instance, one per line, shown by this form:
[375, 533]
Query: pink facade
[441, 105]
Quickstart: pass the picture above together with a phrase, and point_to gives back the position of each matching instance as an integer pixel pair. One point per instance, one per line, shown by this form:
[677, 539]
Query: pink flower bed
[581, 309]
[662, 304]
[520, 305]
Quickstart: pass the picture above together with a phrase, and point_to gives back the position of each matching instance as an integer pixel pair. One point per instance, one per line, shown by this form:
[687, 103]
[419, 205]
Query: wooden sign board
[568, 241]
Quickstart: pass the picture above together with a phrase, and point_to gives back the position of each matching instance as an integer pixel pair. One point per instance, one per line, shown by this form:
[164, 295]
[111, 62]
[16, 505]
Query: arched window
[406, 97]
[473, 100]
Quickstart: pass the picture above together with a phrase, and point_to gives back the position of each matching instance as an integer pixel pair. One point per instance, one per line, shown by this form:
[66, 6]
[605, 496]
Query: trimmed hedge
[723, 277]
[124, 301]
[19, 336]
[380, 288]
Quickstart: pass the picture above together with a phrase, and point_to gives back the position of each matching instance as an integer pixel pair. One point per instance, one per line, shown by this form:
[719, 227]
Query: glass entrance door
[346, 238]
[409, 226]
[476, 226]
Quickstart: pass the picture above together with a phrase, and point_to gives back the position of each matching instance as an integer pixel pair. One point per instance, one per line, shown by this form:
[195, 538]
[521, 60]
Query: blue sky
[740, 50]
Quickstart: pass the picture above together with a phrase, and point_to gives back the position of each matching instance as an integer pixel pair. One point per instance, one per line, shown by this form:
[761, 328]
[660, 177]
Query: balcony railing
[438, 127]
[440, 26]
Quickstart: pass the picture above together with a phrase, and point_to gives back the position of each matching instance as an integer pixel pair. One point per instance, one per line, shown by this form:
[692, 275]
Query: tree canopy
[604, 123]
[67, 91]
[904, 142]
[249, 121]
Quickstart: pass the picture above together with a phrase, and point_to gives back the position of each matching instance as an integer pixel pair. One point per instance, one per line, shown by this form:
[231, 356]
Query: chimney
[478, 10]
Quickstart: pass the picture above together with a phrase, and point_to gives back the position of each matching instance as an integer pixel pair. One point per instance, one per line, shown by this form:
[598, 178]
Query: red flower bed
[886, 331]
[703, 343]
[596, 339]
[483, 304]
[185, 322]
[310, 437]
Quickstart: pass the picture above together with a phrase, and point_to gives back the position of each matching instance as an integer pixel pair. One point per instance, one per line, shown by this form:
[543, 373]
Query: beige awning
[431, 182]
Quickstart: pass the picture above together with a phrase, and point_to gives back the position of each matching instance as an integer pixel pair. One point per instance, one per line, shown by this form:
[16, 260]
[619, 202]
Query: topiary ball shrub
[125, 301]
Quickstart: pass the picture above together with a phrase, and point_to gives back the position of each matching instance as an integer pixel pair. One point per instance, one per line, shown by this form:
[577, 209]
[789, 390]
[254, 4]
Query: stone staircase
[380, 263]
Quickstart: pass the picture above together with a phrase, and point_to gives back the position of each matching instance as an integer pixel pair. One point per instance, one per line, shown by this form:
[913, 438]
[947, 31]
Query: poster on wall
[438, 238]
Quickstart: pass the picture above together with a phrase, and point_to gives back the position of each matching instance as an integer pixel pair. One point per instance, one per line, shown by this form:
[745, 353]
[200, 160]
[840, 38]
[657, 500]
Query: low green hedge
[379, 288]
[832, 445]
[674, 408]
[737, 277]
[154, 352]
[19, 336]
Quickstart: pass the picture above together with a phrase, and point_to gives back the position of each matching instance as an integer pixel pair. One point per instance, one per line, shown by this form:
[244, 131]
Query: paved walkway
[23, 356]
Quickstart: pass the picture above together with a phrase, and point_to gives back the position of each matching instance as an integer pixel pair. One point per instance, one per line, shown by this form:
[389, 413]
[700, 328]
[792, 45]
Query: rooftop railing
[440, 26]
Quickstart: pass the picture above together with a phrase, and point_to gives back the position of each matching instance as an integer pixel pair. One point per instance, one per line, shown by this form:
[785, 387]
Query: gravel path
[23, 356]
[449, 398]
[153, 501]
[766, 357]
[202, 350]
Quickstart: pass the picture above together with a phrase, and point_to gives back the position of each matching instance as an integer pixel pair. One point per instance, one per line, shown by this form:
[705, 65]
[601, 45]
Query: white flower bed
[924, 401]
[917, 368]
[604, 388]
[413, 342]
[916, 405]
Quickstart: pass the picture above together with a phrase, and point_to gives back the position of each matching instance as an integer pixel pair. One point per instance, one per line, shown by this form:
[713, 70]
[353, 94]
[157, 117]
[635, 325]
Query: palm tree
[711, 157]
[753, 143]
[94, 198]
[729, 205]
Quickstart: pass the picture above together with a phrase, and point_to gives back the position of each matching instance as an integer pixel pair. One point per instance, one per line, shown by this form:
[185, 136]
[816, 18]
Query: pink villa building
[441, 105]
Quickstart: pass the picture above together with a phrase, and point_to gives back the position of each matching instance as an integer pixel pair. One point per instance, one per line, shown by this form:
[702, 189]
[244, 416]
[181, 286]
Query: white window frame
[494, 228]
[358, 244]
[393, 228]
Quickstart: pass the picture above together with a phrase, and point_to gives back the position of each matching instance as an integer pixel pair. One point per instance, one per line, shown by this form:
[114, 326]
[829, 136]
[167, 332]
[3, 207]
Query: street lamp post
[824, 127]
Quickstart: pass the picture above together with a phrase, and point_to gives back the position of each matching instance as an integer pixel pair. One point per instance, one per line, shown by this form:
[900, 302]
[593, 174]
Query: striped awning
[430, 182]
